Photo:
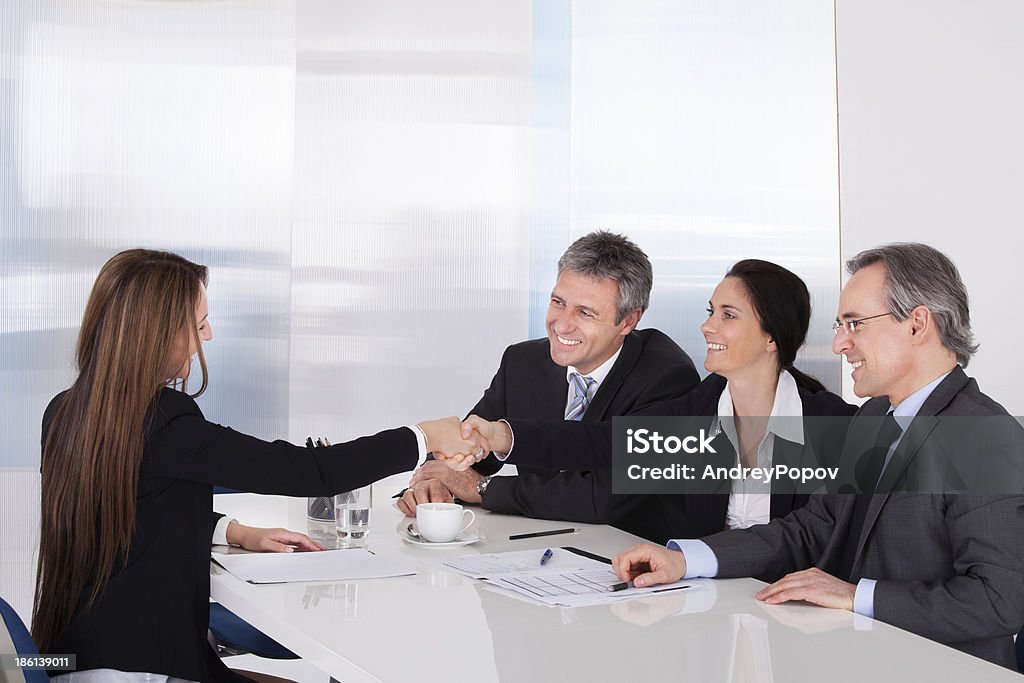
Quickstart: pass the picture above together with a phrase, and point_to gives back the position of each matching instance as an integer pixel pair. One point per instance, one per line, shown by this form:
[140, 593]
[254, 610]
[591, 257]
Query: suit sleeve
[561, 444]
[567, 445]
[492, 406]
[786, 544]
[191, 448]
[214, 518]
[571, 496]
[986, 597]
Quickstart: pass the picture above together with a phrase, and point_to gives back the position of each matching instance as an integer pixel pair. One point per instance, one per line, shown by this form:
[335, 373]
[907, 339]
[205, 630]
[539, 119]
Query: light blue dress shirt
[701, 560]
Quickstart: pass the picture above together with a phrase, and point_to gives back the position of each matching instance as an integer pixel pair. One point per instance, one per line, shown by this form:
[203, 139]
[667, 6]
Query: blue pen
[545, 557]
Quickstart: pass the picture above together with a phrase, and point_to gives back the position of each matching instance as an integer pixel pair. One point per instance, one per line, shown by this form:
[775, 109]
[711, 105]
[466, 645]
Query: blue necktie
[581, 400]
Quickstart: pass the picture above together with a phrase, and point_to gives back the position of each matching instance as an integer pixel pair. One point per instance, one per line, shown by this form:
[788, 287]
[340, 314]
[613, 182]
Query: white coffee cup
[441, 522]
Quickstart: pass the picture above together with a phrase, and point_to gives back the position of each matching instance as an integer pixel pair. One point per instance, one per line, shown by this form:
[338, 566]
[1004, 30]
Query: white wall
[930, 150]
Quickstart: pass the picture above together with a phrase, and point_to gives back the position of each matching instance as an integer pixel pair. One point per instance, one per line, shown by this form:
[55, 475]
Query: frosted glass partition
[381, 188]
[135, 125]
[411, 208]
[138, 124]
[707, 132]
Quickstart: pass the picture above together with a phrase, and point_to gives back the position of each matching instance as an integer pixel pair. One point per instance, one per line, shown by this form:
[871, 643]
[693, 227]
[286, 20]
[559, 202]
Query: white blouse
[750, 499]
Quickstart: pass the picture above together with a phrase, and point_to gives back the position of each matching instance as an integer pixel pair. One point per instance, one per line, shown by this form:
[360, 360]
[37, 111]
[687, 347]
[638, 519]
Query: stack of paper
[567, 579]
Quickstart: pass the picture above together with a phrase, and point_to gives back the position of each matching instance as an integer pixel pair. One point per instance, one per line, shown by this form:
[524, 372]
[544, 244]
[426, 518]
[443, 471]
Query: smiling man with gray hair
[593, 365]
[948, 566]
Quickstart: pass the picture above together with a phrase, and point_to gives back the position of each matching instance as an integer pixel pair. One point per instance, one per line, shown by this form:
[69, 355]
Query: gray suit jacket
[949, 567]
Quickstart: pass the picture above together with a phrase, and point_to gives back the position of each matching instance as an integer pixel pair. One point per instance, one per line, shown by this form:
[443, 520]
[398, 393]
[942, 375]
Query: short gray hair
[919, 275]
[603, 255]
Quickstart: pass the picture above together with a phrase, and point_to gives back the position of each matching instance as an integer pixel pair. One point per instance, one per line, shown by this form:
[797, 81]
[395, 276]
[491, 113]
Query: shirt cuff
[220, 532]
[421, 445]
[502, 456]
[700, 558]
[864, 598]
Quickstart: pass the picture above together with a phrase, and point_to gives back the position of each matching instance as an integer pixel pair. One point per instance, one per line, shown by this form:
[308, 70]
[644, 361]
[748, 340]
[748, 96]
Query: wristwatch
[481, 486]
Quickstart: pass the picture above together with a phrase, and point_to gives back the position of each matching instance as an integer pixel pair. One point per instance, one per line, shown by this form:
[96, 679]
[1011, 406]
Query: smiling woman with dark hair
[782, 307]
[758, 317]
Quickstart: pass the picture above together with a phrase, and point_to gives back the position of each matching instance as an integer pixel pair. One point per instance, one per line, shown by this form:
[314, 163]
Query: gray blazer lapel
[907, 450]
[861, 433]
[944, 394]
[909, 445]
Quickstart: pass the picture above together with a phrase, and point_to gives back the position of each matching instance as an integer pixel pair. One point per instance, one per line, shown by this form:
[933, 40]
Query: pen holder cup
[320, 520]
[320, 509]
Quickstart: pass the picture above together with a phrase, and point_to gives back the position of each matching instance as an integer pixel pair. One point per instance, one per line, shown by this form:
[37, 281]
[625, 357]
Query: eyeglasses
[851, 325]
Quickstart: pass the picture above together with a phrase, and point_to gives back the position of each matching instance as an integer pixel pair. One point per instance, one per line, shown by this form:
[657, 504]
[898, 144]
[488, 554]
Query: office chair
[235, 636]
[15, 636]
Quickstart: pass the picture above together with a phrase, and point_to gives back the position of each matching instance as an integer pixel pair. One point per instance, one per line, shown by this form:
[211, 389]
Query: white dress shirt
[750, 500]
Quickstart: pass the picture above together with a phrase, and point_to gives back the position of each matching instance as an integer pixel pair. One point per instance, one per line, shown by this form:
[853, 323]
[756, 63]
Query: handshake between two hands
[460, 444]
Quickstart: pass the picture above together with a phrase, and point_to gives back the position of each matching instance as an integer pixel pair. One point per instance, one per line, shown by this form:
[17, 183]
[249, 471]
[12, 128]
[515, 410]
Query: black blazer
[655, 517]
[529, 385]
[698, 515]
[154, 612]
[650, 368]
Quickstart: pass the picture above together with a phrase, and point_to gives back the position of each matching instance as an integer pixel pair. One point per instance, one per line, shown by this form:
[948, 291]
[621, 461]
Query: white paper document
[491, 565]
[567, 579]
[577, 588]
[326, 565]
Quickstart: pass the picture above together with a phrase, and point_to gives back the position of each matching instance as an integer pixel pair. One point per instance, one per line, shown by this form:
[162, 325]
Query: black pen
[616, 587]
[538, 534]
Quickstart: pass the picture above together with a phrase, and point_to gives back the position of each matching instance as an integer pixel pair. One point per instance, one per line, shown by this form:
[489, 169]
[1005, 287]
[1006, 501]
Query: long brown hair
[141, 303]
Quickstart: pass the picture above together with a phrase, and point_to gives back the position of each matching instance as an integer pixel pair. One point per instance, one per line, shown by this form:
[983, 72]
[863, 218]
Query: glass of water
[352, 516]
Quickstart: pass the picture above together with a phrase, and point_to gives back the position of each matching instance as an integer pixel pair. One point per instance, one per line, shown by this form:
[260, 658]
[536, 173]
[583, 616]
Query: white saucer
[465, 538]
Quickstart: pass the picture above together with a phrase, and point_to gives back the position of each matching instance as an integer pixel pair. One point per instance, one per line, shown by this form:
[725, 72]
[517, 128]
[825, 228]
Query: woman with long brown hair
[127, 467]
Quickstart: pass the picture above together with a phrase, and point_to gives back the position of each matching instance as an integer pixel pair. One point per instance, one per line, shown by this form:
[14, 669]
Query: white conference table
[438, 626]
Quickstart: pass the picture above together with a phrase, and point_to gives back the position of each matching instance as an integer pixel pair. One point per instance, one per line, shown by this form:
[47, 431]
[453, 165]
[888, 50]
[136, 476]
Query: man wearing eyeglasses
[946, 566]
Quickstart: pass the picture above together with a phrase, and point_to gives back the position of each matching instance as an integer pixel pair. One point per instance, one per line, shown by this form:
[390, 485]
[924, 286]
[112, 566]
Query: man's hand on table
[648, 565]
[810, 585]
[430, 491]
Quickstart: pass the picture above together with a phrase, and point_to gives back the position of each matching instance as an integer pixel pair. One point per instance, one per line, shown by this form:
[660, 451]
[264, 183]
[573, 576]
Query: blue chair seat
[231, 630]
[22, 639]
